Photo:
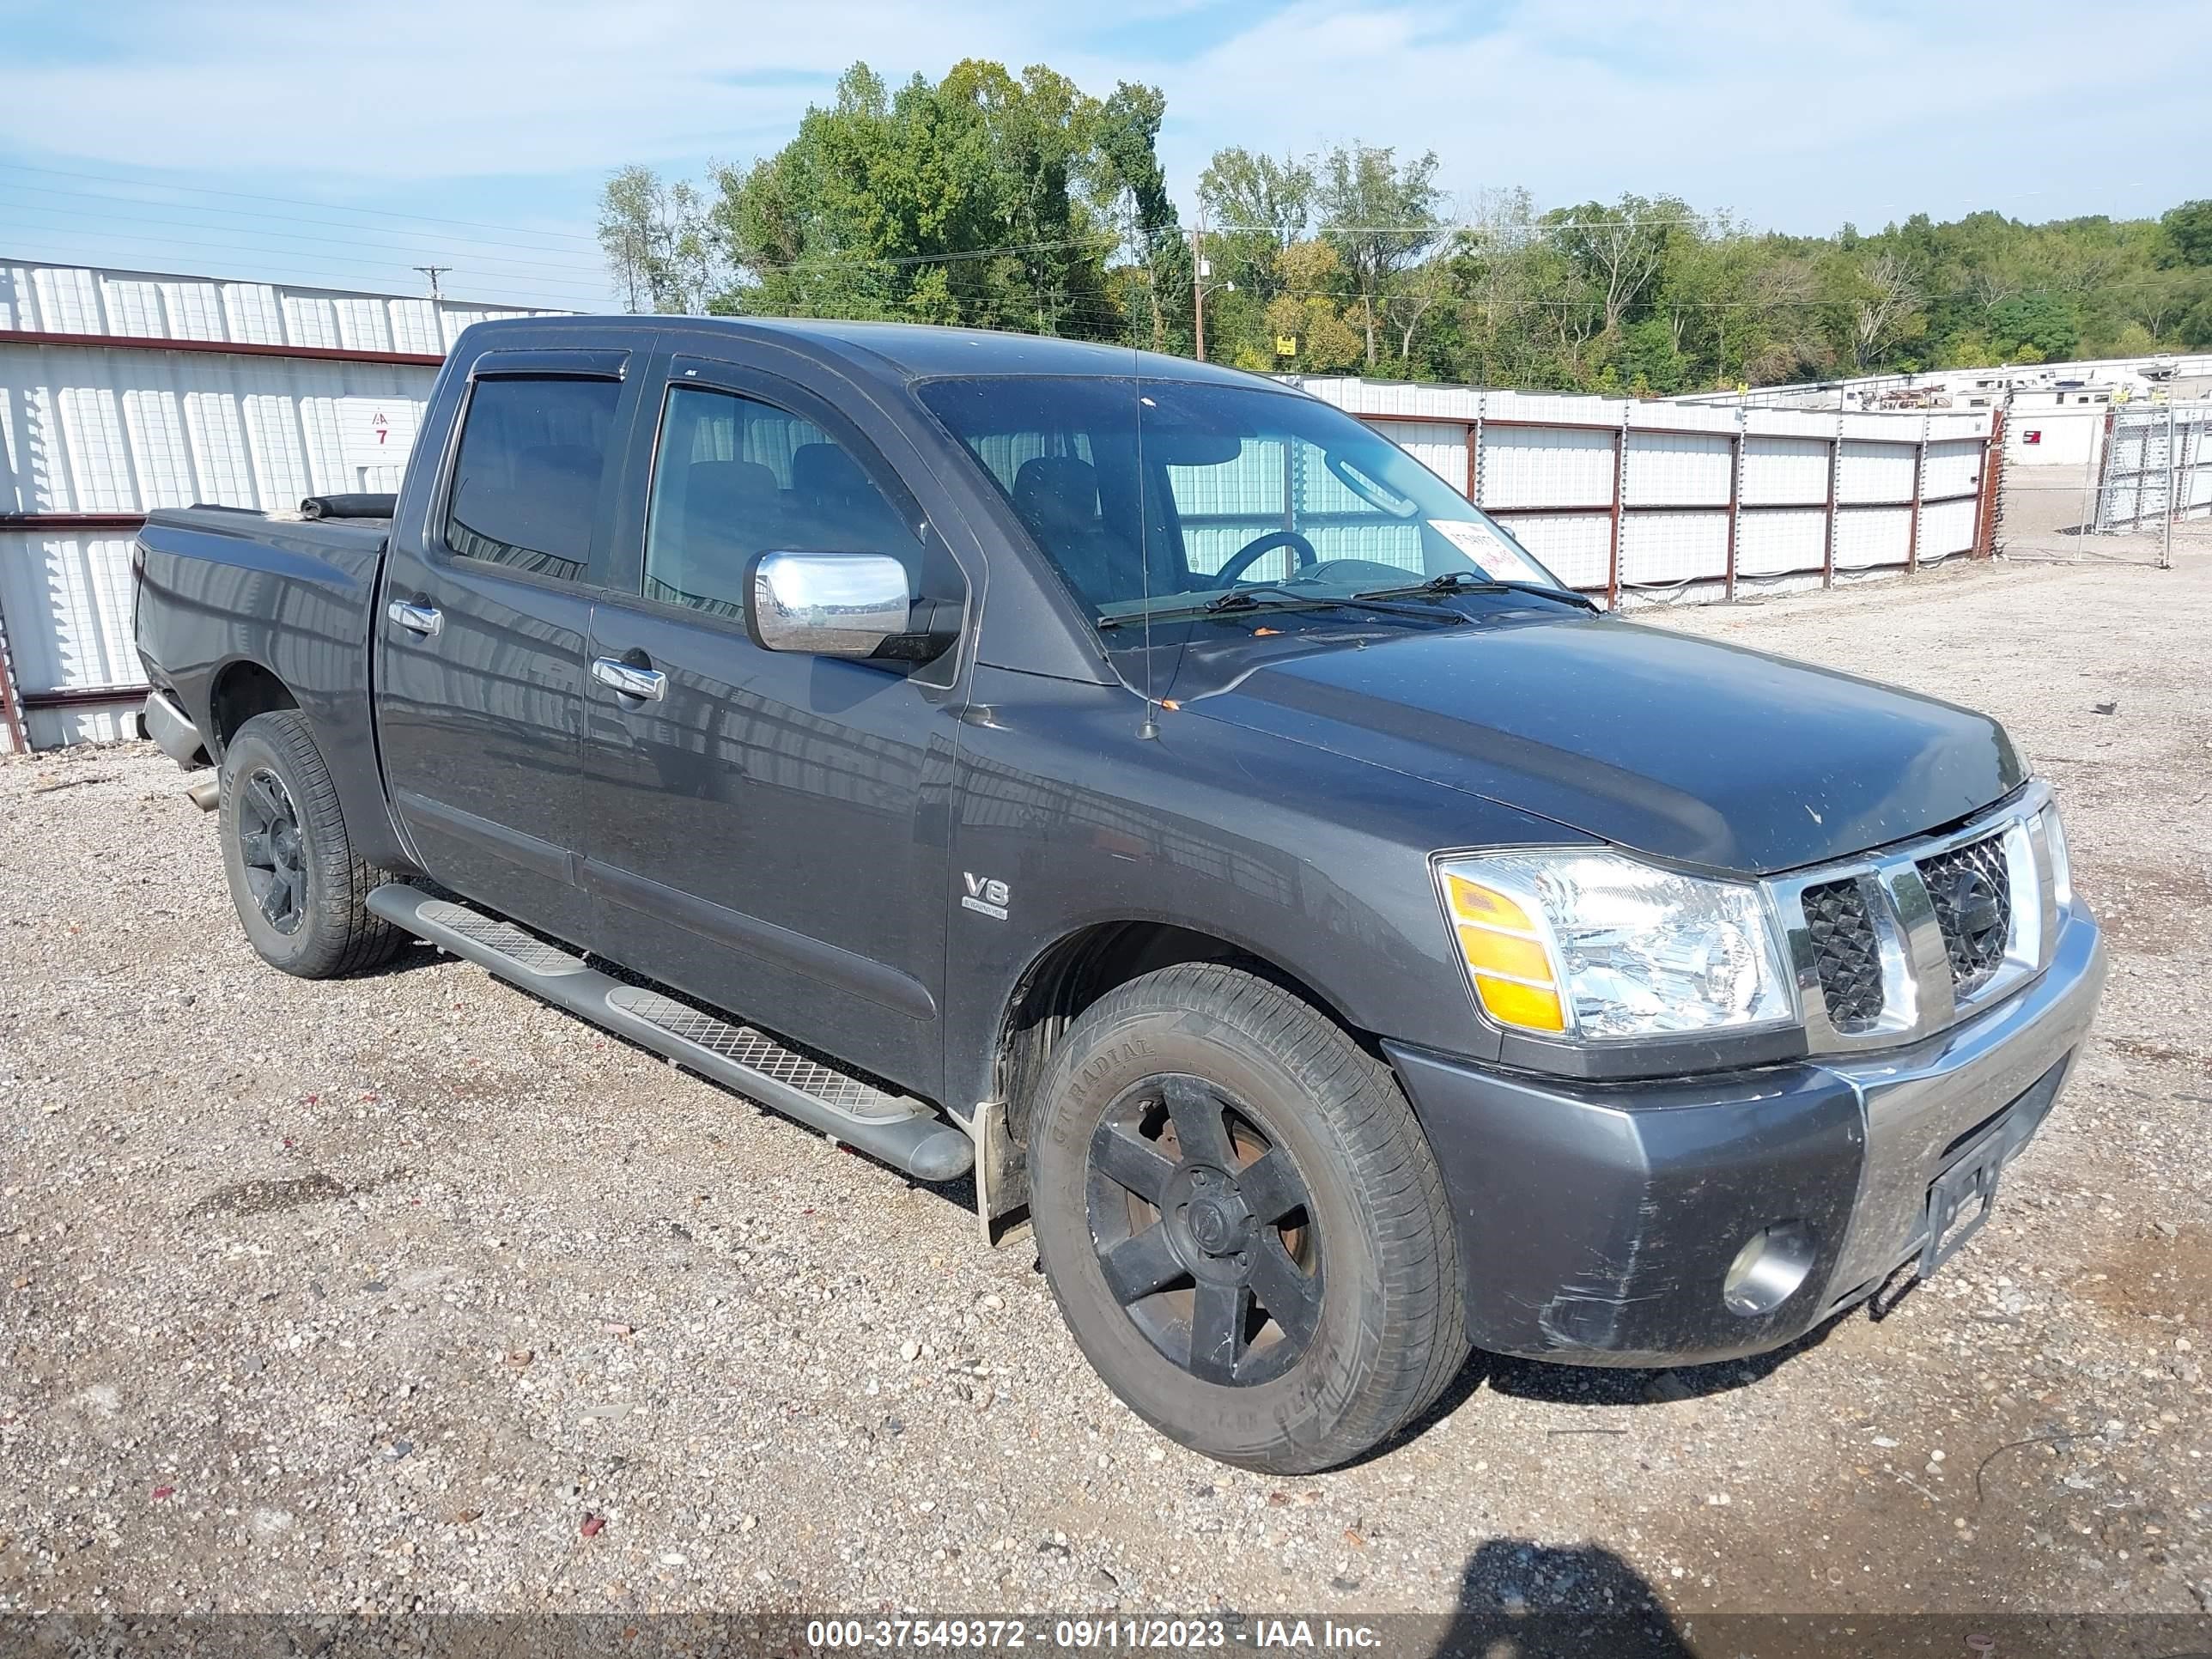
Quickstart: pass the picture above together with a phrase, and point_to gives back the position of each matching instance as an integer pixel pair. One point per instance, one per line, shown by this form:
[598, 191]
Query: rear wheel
[1241, 1222]
[300, 892]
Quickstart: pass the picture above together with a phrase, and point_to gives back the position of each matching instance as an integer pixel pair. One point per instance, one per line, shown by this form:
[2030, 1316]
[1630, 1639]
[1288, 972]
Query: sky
[342, 146]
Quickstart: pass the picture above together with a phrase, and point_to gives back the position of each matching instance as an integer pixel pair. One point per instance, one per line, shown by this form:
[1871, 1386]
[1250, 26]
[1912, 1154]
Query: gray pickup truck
[1144, 790]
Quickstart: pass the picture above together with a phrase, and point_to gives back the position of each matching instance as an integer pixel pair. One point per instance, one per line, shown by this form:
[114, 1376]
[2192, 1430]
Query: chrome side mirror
[827, 604]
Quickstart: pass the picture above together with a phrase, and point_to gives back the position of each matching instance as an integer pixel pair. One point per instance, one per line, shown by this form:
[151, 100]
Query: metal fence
[1645, 501]
[124, 391]
[2157, 466]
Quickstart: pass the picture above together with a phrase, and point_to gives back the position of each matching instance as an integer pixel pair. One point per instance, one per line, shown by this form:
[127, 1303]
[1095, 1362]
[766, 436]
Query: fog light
[1768, 1269]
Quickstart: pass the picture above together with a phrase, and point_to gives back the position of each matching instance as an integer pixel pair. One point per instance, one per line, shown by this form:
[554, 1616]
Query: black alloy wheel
[301, 891]
[270, 849]
[1204, 1231]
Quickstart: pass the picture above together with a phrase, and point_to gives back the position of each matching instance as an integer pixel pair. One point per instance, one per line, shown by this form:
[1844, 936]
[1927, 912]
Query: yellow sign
[1286, 345]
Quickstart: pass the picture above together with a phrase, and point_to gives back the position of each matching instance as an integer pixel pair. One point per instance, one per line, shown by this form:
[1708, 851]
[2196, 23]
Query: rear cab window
[526, 477]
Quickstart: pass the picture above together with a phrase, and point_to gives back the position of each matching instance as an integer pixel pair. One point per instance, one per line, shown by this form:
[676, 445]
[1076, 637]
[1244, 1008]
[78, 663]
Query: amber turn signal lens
[1506, 957]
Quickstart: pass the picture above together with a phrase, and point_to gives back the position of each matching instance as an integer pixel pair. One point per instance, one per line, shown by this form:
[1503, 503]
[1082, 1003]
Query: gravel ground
[409, 1291]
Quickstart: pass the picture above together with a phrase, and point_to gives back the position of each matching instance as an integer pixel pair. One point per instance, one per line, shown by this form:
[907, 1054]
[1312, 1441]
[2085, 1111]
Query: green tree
[1256, 206]
[2040, 322]
[1019, 201]
[659, 247]
[1617, 251]
[1305, 311]
[1876, 302]
[1381, 217]
[2188, 229]
[1132, 191]
[986, 198]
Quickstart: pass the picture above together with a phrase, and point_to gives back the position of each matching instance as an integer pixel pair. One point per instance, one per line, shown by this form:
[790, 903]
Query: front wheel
[1243, 1223]
[302, 895]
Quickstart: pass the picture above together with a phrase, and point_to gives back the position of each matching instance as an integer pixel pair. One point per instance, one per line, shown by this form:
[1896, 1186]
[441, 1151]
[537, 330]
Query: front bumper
[1596, 1223]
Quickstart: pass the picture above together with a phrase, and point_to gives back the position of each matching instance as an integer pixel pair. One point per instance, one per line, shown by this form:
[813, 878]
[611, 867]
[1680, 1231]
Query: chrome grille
[1846, 953]
[1904, 941]
[1971, 889]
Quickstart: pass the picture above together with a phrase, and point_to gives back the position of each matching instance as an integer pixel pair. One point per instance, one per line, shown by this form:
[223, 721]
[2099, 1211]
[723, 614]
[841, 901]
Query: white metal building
[1973, 388]
[124, 391]
[1631, 499]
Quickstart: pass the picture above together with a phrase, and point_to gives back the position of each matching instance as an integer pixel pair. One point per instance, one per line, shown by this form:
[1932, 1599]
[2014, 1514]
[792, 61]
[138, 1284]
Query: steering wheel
[1245, 556]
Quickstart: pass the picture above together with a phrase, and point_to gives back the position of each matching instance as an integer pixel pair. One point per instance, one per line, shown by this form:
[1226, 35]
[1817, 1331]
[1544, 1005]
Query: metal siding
[1876, 472]
[1555, 451]
[1954, 466]
[111, 430]
[114, 429]
[1575, 547]
[1663, 549]
[1678, 469]
[1441, 448]
[1947, 528]
[77, 300]
[81, 583]
[1546, 466]
[1777, 470]
[1780, 541]
[1868, 538]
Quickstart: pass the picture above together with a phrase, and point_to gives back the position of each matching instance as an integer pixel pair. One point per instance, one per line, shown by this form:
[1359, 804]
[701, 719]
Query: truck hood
[1657, 741]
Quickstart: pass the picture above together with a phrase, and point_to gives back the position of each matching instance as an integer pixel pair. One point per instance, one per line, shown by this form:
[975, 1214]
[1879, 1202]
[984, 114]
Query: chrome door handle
[422, 619]
[627, 678]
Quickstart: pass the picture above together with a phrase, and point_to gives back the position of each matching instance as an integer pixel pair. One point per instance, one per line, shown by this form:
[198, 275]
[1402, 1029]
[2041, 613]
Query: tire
[282, 830]
[1371, 1327]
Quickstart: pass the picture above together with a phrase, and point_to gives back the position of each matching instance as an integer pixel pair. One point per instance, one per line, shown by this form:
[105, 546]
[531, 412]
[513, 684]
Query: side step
[904, 1133]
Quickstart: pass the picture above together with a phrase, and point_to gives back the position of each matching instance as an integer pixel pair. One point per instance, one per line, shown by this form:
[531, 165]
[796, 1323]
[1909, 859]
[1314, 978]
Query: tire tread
[1422, 1342]
[348, 937]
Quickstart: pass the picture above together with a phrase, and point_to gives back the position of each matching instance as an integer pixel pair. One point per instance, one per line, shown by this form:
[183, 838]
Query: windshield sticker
[1496, 555]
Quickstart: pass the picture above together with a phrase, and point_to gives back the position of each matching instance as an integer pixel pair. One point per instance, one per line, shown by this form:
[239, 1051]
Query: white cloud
[1798, 114]
[417, 89]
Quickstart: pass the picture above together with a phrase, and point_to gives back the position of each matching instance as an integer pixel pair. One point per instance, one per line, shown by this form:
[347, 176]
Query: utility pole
[433, 272]
[1198, 283]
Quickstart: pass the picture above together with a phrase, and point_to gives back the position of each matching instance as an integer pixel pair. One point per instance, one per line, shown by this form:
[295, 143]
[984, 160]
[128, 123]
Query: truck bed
[226, 597]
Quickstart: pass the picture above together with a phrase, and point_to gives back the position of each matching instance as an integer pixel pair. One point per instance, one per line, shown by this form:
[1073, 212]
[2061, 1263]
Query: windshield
[1158, 495]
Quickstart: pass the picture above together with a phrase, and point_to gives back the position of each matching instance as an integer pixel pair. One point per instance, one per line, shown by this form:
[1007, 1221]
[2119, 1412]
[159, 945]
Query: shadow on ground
[1606, 1386]
[1537, 1601]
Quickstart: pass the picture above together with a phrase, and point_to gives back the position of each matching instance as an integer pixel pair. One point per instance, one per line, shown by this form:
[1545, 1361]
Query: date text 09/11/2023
[1091, 1634]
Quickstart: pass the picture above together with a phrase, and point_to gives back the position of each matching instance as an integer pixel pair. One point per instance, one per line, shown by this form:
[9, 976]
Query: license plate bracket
[1961, 1199]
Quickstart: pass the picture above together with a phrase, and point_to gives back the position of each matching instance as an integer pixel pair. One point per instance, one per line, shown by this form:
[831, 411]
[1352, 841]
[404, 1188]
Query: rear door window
[533, 454]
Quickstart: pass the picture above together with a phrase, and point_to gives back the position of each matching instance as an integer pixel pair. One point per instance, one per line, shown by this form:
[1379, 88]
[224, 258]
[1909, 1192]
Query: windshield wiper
[1461, 581]
[1248, 600]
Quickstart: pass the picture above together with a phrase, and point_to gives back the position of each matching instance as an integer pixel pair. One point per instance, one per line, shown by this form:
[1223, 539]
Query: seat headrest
[728, 487]
[827, 473]
[1057, 494]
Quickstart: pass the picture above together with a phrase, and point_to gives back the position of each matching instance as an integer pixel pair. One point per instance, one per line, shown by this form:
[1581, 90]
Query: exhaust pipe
[206, 795]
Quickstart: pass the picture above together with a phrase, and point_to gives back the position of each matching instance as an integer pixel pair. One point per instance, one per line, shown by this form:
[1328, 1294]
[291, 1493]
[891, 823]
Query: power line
[443, 239]
[242, 235]
[1445, 227]
[314, 248]
[291, 260]
[337, 207]
[1719, 305]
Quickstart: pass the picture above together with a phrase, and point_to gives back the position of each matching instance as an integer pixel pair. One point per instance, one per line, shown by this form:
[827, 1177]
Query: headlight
[1598, 946]
[2062, 868]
